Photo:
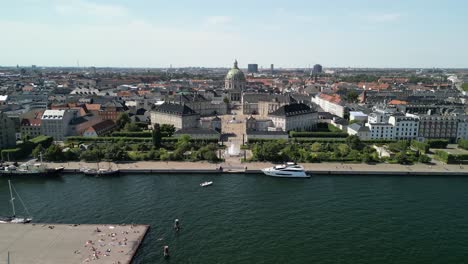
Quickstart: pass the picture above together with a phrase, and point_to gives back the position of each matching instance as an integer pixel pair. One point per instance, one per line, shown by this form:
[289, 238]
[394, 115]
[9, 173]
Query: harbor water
[257, 219]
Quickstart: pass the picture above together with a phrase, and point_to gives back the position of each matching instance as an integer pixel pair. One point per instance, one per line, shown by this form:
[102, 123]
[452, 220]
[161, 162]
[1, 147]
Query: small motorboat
[100, 172]
[205, 184]
[177, 225]
[166, 251]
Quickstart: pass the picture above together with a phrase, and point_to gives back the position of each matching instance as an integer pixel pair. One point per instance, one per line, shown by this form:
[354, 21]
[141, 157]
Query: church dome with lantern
[235, 78]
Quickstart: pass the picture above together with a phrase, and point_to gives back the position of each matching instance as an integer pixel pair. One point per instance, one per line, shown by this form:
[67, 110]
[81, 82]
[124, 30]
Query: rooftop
[292, 110]
[175, 109]
[53, 114]
[196, 131]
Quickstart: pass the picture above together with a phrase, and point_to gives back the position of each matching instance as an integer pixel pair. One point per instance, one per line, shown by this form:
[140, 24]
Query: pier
[189, 168]
[62, 243]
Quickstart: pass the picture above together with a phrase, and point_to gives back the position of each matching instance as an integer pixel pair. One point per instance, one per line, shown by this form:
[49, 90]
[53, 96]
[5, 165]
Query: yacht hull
[283, 174]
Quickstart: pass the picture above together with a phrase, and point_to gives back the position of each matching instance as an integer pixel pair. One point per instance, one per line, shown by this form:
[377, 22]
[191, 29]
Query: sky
[212, 33]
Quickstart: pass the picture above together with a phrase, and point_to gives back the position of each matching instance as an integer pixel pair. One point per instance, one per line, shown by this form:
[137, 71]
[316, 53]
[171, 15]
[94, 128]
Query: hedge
[451, 158]
[109, 139]
[24, 150]
[379, 141]
[421, 146]
[146, 134]
[300, 140]
[45, 141]
[132, 139]
[437, 143]
[143, 134]
[463, 143]
[12, 154]
[295, 134]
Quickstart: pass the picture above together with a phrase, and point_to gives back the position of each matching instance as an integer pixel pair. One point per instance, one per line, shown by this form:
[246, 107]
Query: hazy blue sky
[294, 33]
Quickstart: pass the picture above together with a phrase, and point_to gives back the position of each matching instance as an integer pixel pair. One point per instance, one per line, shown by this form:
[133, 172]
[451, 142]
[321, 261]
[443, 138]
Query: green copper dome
[235, 73]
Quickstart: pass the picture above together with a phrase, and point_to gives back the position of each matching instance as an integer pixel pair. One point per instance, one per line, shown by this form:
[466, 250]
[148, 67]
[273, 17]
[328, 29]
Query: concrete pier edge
[311, 172]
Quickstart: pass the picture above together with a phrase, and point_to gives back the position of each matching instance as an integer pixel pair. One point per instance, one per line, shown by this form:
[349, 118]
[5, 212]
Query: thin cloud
[383, 18]
[218, 20]
[90, 8]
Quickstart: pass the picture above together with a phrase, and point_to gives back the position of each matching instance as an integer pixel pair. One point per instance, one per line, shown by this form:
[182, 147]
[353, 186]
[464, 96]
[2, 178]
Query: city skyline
[364, 34]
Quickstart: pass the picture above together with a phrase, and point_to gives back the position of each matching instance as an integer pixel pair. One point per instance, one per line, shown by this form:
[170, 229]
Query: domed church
[235, 78]
[235, 83]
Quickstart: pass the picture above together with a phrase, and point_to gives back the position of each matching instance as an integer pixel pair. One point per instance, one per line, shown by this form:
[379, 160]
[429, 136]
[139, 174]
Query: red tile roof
[336, 99]
[93, 107]
[397, 102]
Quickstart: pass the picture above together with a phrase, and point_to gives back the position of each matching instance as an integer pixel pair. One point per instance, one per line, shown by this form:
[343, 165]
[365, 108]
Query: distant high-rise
[272, 69]
[317, 69]
[252, 68]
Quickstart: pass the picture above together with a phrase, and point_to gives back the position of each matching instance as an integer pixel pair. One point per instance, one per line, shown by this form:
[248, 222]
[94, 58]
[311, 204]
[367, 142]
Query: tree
[352, 96]
[122, 120]
[54, 153]
[157, 136]
[354, 142]
[132, 127]
[226, 100]
[399, 146]
[91, 155]
[37, 151]
[366, 157]
[268, 151]
[424, 159]
[402, 158]
[183, 142]
[316, 147]
[114, 152]
[342, 150]
[167, 130]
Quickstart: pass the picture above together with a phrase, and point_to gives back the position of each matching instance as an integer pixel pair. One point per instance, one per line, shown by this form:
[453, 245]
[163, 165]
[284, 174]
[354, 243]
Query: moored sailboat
[13, 218]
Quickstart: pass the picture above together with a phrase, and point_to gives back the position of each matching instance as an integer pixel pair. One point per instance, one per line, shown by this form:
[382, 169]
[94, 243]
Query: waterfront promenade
[61, 243]
[255, 167]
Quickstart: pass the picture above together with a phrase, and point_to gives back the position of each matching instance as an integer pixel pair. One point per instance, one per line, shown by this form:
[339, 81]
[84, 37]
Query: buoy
[166, 251]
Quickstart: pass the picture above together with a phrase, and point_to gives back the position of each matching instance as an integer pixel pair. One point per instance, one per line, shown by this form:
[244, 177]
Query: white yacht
[288, 170]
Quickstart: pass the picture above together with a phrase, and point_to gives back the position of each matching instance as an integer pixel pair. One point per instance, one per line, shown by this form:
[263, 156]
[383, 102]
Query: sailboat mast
[12, 199]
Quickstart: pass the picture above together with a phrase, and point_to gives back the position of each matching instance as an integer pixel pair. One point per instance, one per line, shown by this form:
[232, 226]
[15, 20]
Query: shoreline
[157, 167]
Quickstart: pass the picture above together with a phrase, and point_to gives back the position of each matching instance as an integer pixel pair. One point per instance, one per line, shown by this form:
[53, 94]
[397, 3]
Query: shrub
[295, 134]
[437, 143]
[463, 143]
[45, 141]
[424, 159]
[451, 158]
[421, 146]
[143, 134]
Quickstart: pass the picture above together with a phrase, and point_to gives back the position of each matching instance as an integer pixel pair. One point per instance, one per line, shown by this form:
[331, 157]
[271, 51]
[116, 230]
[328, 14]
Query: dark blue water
[257, 219]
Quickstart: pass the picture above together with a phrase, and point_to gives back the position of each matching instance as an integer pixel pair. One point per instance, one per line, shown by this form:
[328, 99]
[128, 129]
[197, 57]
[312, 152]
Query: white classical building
[363, 132]
[462, 129]
[358, 116]
[381, 115]
[381, 130]
[405, 127]
[201, 105]
[178, 115]
[331, 104]
[296, 117]
[55, 123]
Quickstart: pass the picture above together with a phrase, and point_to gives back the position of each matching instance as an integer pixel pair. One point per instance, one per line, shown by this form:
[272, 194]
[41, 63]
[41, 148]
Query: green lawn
[465, 87]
